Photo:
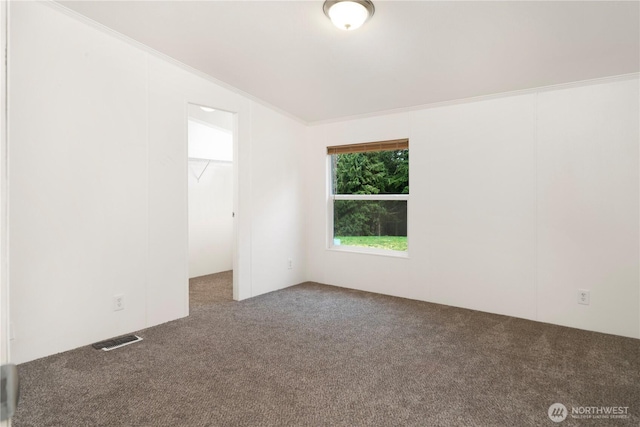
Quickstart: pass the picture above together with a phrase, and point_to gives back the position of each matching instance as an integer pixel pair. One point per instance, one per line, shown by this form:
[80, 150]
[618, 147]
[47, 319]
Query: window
[369, 192]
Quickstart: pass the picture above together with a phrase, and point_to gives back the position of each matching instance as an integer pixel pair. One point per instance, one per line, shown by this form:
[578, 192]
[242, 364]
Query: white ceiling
[288, 54]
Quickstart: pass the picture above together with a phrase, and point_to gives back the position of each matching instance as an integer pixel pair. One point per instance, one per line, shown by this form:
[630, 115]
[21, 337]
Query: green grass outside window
[393, 243]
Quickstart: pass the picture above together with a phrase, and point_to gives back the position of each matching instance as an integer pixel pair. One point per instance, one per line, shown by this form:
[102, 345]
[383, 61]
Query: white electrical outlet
[118, 302]
[584, 296]
[290, 264]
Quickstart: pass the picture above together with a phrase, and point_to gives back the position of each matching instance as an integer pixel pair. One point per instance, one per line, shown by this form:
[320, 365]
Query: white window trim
[370, 196]
[370, 251]
[359, 249]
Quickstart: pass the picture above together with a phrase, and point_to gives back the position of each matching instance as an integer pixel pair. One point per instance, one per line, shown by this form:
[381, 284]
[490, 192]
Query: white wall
[98, 184]
[587, 200]
[278, 228]
[207, 141]
[210, 221]
[516, 203]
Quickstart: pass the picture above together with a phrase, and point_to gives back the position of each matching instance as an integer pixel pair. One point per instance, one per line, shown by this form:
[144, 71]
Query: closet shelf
[202, 159]
[209, 161]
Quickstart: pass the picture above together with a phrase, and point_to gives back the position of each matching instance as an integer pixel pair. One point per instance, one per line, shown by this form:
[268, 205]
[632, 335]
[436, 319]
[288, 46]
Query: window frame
[331, 197]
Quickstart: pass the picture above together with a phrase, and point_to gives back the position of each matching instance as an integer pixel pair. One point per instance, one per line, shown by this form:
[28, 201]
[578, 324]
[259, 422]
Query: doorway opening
[212, 231]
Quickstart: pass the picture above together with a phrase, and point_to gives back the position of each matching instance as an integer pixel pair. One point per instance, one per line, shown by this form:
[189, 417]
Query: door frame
[235, 194]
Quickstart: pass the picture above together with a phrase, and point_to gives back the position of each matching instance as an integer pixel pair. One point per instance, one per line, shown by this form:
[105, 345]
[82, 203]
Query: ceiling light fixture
[348, 14]
[207, 109]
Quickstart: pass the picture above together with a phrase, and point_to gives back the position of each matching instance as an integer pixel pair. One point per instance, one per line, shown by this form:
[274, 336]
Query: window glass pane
[370, 223]
[378, 172]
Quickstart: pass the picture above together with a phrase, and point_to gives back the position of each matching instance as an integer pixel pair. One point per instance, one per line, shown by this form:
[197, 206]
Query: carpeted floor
[207, 290]
[315, 355]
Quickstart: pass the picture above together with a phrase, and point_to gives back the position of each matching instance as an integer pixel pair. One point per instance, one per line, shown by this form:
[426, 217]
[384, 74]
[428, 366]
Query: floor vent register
[114, 343]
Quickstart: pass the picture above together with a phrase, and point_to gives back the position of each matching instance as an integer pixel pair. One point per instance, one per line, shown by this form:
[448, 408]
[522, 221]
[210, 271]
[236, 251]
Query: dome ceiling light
[348, 15]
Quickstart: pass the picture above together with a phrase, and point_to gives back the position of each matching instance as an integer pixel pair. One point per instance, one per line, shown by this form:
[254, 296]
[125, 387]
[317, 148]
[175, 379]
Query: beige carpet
[316, 355]
[207, 290]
